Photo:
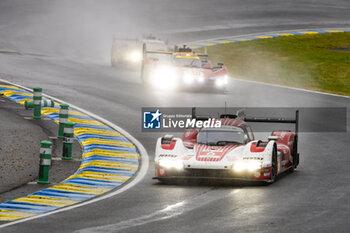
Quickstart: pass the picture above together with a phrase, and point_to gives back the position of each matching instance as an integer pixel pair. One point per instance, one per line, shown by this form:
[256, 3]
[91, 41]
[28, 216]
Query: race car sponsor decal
[212, 153]
[253, 158]
[168, 155]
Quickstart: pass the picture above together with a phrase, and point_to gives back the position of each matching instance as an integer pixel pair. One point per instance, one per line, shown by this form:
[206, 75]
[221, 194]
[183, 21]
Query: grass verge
[305, 61]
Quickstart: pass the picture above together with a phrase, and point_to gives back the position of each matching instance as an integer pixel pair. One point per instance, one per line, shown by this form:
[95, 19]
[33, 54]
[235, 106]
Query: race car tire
[273, 166]
[295, 154]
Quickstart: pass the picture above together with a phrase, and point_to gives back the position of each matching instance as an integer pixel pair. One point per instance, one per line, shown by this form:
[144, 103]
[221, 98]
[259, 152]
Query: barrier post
[44, 103]
[37, 102]
[68, 140]
[63, 118]
[45, 162]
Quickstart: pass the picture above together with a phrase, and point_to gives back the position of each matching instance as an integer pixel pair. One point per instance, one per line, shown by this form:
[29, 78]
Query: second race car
[181, 69]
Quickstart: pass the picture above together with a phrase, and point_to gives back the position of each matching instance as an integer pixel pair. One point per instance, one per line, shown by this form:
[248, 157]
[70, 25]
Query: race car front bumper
[215, 174]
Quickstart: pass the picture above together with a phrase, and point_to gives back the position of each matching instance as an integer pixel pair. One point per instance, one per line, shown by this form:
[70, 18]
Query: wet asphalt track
[314, 198]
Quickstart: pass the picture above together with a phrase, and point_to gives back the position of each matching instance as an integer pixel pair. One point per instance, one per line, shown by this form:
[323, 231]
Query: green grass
[305, 61]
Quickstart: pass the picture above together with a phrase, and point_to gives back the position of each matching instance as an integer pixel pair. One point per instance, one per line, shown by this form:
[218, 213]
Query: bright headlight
[253, 165]
[188, 78]
[247, 165]
[167, 163]
[135, 56]
[239, 166]
[226, 79]
[219, 82]
[164, 77]
[201, 78]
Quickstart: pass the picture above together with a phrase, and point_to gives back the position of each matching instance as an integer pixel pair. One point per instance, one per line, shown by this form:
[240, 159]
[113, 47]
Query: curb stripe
[234, 39]
[109, 160]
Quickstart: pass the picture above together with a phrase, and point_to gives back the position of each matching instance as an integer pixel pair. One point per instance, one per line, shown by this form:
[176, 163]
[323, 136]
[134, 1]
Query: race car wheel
[274, 166]
[295, 154]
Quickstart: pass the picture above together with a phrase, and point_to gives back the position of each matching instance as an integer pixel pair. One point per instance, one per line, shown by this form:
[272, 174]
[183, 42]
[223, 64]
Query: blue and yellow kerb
[109, 159]
[206, 43]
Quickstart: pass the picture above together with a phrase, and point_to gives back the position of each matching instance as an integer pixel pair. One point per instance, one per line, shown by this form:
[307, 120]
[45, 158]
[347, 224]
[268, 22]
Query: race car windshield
[188, 62]
[221, 137]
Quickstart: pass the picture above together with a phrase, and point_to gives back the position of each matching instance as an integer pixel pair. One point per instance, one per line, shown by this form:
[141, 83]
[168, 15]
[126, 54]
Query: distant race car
[228, 152]
[181, 68]
[128, 52]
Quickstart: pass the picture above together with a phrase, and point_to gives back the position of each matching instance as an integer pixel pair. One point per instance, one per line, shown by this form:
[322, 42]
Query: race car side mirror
[220, 64]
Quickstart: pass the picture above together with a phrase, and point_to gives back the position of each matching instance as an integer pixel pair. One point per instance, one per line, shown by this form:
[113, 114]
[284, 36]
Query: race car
[128, 52]
[228, 152]
[181, 68]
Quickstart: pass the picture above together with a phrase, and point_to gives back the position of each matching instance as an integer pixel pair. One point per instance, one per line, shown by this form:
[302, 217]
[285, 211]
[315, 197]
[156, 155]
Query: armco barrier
[109, 159]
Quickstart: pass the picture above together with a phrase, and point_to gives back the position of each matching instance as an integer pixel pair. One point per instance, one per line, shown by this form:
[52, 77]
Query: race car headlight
[135, 56]
[247, 165]
[201, 78]
[168, 163]
[188, 78]
[226, 79]
[164, 77]
[219, 82]
[253, 165]
[239, 166]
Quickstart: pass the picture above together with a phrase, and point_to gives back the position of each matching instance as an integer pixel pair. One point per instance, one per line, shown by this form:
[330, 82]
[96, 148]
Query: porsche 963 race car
[228, 152]
[181, 69]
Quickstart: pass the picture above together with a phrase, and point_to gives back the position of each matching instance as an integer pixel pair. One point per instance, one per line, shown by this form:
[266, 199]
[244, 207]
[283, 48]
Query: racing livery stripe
[109, 160]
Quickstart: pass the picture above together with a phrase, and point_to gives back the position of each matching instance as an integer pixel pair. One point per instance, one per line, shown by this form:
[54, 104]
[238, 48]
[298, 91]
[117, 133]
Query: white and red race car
[182, 69]
[228, 152]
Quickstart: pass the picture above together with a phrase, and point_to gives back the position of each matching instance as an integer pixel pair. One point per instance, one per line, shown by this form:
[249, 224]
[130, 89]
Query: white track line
[268, 33]
[292, 88]
[139, 176]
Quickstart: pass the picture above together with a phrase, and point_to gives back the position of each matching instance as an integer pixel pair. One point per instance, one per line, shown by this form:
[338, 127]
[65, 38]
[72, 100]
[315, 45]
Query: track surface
[315, 198]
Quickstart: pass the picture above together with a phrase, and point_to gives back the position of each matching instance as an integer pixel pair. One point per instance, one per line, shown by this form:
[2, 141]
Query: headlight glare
[167, 163]
[164, 77]
[239, 166]
[247, 165]
[135, 56]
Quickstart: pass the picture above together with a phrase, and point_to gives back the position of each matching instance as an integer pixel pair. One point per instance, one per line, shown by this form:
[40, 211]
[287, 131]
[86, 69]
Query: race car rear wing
[276, 120]
[241, 114]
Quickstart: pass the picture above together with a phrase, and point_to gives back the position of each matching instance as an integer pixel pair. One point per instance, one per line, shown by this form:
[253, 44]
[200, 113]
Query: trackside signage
[173, 119]
[157, 119]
